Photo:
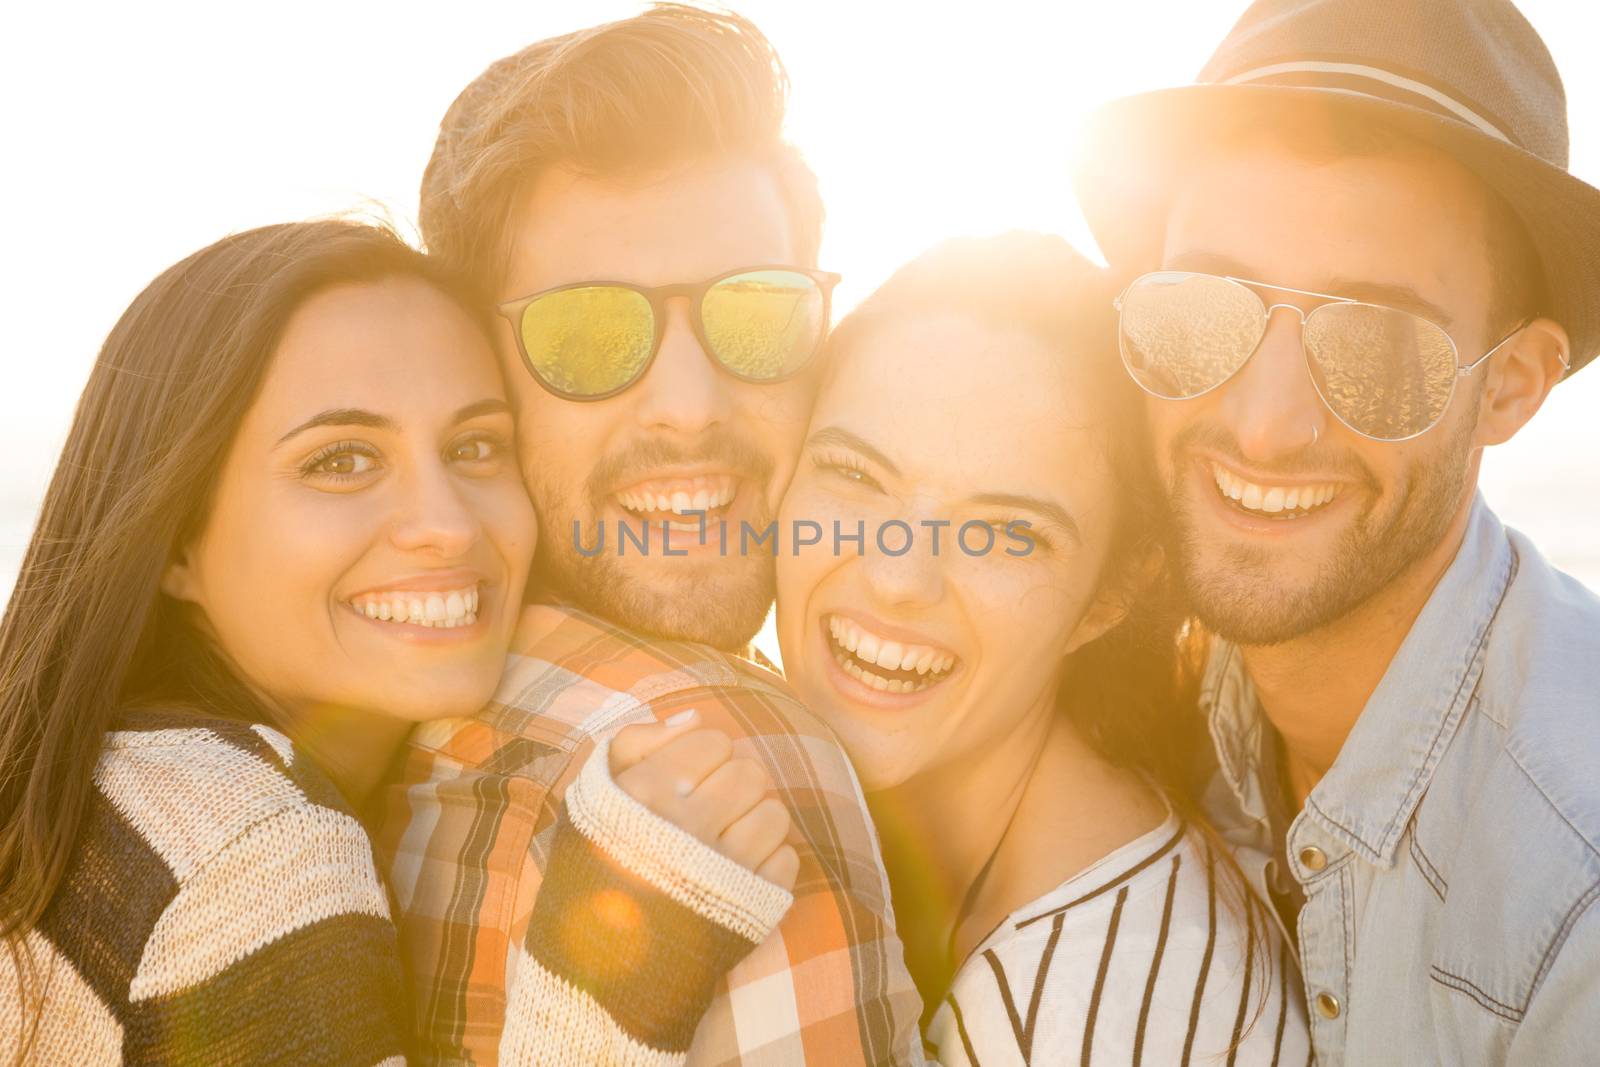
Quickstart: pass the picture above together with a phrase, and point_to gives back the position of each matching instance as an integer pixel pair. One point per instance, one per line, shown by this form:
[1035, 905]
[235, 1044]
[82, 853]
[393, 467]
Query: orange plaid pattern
[465, 827]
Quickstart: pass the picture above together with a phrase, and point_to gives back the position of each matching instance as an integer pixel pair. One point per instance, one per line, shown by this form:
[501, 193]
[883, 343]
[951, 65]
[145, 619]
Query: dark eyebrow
[342, 417]
[479, 408]
[1048, 508]
[1396, 296]
[1208, 263]
[834, 435]
[1403, 297]
[373, 421]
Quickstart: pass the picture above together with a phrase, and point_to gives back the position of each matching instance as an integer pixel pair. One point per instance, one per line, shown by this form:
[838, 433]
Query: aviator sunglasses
[1385, 373]
[592, 340]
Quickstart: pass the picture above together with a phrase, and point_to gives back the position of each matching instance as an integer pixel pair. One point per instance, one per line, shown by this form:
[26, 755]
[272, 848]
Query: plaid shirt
[466, 825]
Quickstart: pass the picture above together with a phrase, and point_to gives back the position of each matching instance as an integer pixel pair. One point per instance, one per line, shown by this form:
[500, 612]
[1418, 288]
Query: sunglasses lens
[1386, 373]
[764, 324]
[1183, 334]
[588, 341]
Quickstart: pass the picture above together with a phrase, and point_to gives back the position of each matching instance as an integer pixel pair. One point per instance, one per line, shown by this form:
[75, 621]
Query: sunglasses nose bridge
[1299, 312]
[1273, 396]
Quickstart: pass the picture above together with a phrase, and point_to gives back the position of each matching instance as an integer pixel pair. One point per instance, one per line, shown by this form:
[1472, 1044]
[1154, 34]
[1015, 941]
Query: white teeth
[855, 646]
[867, 649]
[700, 494]
[1271, 500]
[446, 609]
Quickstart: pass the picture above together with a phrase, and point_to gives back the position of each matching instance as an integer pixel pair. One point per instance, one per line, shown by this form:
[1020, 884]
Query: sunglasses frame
[1328, 299]
[657, 296]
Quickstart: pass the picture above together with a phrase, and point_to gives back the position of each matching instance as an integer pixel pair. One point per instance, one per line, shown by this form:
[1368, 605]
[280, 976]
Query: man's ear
[1519, 377]
[1115, 599]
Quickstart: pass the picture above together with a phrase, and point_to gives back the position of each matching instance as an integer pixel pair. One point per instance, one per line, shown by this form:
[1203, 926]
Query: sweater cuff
[635, 924]
[670, 858]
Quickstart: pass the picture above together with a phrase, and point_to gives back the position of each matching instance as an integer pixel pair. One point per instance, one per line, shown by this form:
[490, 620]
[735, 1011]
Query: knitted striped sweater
[635, 924]
[221, 907]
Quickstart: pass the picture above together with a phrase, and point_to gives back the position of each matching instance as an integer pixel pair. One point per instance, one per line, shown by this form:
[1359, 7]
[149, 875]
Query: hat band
[1374, 82]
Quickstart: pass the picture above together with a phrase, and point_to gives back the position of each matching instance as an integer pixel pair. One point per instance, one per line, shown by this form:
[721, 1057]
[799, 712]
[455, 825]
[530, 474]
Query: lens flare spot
[606, 937]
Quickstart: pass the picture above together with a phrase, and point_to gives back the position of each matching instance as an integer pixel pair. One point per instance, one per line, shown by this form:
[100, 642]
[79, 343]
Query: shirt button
[1327, 1005]
[1314, 859]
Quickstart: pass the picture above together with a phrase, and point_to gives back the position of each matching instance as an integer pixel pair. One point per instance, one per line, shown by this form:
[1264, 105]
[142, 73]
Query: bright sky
[140, 132]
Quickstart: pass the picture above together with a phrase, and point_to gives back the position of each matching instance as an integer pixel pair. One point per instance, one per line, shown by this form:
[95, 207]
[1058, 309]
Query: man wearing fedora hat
[1359, 260]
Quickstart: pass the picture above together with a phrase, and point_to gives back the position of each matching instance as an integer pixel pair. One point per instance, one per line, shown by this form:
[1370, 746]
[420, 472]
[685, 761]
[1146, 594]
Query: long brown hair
[87, 632]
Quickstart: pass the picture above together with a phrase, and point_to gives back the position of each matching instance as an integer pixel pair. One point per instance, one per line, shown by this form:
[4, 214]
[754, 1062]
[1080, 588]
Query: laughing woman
[286, 525]
[1009, 693]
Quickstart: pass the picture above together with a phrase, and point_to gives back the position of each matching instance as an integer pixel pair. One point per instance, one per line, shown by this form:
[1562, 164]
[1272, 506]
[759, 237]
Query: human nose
[1271, 406]
[683, 392]
[434, 518]
[901, 567]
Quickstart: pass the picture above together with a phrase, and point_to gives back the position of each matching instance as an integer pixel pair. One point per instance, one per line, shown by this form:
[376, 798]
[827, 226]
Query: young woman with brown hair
[1005, 673]
[287, 523]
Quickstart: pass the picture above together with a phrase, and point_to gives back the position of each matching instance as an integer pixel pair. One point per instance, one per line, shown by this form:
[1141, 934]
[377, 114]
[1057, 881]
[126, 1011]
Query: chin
[431, 698]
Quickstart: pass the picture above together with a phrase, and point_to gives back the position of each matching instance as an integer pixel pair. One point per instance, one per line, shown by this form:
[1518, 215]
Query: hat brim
[1136, 148]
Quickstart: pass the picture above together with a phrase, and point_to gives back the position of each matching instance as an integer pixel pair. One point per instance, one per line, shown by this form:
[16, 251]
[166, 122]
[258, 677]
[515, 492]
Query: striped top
[221, 906]
[1145, 957]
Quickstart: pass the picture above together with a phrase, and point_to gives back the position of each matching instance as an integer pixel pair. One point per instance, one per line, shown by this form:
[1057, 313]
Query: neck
[1315, 687]
[352, 747]
[940, 828]
[1021, 801]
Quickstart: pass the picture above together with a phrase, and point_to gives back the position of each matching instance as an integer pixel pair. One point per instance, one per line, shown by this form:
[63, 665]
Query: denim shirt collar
[1368, 796]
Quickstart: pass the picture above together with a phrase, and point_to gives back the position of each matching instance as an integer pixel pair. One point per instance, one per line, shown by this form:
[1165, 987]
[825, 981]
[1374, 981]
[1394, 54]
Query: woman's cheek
[510, 520]
[1022, 602]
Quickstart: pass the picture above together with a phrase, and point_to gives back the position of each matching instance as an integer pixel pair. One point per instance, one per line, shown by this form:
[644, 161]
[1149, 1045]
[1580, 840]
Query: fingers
[634, 743]
[751, 839]
[782, 867]
[663, 780]
[725, 795]
[687, 774]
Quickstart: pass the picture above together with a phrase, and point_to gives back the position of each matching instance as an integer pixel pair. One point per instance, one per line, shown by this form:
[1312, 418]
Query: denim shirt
[1450, 858]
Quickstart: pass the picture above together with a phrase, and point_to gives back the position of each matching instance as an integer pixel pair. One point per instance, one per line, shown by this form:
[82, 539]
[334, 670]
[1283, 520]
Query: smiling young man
[623, 195]
[1365, 263]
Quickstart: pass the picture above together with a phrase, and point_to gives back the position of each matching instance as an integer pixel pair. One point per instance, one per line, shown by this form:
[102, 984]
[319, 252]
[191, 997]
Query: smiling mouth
[884, 665]
[1283, 503]
[675, 501]
[445, 609]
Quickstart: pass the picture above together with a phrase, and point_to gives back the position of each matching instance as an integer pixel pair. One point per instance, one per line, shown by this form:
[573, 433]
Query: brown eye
[474, 450]
[343, 464]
